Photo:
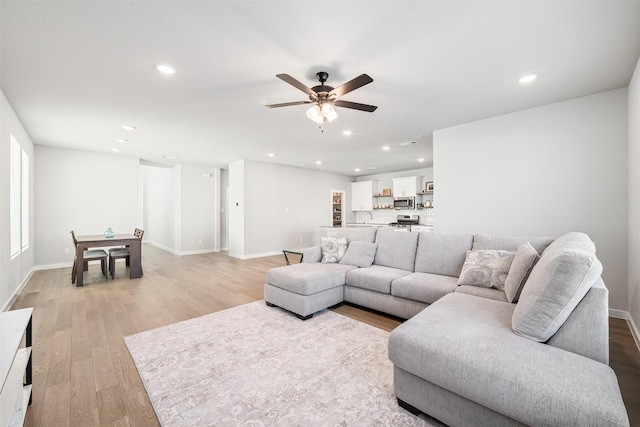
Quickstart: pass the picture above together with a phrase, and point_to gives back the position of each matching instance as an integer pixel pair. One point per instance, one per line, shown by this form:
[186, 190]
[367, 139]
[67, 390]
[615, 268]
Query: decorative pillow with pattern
[486, 268]
[333, 248]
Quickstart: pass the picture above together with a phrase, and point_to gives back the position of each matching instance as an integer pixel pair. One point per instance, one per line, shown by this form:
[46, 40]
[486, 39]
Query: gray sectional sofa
[532, 351]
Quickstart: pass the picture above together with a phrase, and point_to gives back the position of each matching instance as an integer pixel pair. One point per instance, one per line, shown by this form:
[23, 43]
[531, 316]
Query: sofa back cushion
[442, 253]
[362, 234]
[560, 279]
[396, 249]
[509, 243]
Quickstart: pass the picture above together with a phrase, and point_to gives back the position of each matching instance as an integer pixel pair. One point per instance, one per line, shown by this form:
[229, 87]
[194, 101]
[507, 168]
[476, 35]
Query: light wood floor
[83, 374]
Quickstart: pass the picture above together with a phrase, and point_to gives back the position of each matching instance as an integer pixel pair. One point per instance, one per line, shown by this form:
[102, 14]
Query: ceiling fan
[325, 97]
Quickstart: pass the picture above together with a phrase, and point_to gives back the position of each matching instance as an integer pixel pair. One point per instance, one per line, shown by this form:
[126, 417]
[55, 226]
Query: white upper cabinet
[406, 187]
[362, 195]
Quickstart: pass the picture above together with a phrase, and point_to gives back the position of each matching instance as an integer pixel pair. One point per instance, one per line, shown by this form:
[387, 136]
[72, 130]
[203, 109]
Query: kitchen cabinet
[15, 366]
[406, 186]
[362, 195]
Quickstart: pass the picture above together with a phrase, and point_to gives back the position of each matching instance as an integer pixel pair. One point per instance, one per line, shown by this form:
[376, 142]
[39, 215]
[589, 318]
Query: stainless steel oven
[404, 203]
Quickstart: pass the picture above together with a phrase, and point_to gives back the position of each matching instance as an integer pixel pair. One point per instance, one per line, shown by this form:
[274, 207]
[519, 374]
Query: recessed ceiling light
[271, 154]
[115, 149]
[164, 156]
[318, 162]
[421, 159]
[357, 169]
[528, 78]
[347, 132]
[386, 148]
[129, 127]
[372, 168]
[121, 140]
[165, 68]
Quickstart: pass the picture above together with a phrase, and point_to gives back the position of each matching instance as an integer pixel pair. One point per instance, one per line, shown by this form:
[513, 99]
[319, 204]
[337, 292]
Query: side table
[287, 251]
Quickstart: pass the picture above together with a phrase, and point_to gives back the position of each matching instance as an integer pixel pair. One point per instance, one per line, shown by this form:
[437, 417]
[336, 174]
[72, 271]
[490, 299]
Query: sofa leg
[269, 304]
[304, 317]
[404, 405]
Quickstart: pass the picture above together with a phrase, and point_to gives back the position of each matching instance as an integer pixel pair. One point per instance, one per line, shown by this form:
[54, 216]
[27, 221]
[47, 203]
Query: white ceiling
[75, 72]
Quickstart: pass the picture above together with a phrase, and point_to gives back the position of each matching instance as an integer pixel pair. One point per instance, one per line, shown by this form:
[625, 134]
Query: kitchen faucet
[365, 217]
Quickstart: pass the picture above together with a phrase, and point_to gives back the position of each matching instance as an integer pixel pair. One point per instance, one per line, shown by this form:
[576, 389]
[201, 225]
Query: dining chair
[87, 255]
[122, 253]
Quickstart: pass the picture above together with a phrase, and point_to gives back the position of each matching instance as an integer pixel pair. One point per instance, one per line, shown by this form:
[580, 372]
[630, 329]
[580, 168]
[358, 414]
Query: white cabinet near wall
[362, 195]
[15, 366]
[406, 186]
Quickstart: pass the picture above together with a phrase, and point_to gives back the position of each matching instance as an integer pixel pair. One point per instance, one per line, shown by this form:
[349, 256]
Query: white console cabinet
[15, 365]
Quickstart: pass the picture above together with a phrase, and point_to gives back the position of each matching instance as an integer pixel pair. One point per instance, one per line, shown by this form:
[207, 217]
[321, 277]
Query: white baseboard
[634, 331]
[53, 266]
[241, 256]
[618, 314]
[19, 289]
[181, 253]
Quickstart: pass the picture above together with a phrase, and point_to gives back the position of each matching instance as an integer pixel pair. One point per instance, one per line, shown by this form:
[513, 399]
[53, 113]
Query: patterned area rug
[255, 365]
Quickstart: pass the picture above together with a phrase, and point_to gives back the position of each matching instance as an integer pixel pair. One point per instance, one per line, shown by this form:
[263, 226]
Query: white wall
[81, 191]
[158, 206]
[14, 273]
[279, 207]
[200, 206]
[634, 202]
[182, 208]
[543, 172]
[385, 180]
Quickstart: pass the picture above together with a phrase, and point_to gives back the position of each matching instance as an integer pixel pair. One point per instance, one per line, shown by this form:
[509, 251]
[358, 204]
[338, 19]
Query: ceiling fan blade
[286, 104]
[354, 84]
[295, 83]
[355, 106]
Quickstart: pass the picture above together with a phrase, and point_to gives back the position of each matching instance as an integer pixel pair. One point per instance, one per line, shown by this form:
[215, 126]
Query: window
[19, 198]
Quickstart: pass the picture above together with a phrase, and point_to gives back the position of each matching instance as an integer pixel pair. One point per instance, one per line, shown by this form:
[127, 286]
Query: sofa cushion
[362, 234]
[375, 278]
[396, 249]
[559, 280]
[464, 344]
[509, 243]
[360, 254]
[442, 253]
[308, 278]
[523, 262]
[486, 268]
[333, 248]
[488, 293]
[423, 287]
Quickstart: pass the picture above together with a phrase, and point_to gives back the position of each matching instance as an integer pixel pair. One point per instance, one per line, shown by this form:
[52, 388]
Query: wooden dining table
[99, 240]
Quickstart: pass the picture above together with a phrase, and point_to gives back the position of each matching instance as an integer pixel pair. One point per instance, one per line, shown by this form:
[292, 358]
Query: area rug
[254, 365]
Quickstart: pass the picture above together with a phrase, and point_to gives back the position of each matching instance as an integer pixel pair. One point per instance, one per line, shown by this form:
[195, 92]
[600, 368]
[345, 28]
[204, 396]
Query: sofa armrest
[311, 254]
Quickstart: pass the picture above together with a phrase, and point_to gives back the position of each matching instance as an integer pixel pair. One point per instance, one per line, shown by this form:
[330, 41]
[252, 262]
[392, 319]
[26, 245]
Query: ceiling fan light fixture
[329, 112]
[315, 114]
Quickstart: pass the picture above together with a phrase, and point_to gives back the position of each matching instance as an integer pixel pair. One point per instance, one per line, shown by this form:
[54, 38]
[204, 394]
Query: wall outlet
[67, 251]
[200, 241]
[301, 239]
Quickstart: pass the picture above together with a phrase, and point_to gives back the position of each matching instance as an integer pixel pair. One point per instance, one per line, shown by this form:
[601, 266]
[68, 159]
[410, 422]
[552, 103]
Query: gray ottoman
[306, 288]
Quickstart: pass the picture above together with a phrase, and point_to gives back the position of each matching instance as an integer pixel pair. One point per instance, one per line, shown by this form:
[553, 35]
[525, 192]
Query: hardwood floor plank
[83, 390]
[111, 407]
[83, 374]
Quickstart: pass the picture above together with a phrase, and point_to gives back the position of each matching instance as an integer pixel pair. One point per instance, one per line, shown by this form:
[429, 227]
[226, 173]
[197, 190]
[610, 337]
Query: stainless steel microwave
[404, 203]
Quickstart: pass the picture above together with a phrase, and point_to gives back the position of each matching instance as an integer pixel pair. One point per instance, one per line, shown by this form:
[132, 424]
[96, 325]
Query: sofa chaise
[501, 330]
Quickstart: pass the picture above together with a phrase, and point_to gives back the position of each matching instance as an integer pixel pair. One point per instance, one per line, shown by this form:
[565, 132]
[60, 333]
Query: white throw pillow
[333, 248]
[486, 268]
[523, 262]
